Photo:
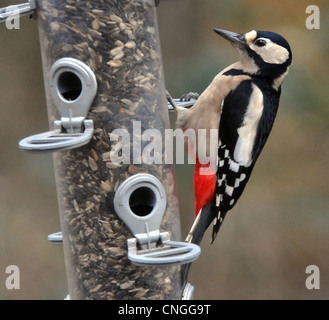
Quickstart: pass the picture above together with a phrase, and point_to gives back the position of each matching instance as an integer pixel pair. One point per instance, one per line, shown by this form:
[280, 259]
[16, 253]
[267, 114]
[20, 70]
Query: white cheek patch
[271, 53]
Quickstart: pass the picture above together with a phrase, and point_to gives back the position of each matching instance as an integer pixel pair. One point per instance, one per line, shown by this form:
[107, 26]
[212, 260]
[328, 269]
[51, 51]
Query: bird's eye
[260, 42]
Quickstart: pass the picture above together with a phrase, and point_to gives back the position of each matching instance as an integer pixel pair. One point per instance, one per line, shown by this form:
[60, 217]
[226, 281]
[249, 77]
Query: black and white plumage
[241, 102]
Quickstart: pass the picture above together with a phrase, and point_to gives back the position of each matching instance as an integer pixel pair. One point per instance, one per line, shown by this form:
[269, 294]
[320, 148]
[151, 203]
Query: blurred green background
[281, 223]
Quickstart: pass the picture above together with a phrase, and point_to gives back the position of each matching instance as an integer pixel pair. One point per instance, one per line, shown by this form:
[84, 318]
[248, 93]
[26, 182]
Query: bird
[240, 106]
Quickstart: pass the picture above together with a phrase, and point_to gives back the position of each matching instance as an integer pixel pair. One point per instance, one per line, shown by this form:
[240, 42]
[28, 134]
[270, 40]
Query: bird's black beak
[234, 38]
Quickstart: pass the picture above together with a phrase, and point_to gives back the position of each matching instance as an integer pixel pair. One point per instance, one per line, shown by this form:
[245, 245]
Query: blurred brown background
[281, 223]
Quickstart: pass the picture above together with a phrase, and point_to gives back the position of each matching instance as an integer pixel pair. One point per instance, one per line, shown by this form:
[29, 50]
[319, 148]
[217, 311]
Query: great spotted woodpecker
[241, 103]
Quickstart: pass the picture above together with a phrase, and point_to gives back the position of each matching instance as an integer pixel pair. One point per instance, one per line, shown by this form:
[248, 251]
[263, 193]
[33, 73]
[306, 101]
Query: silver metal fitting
[188, 292]
[73, 88]
[140, 202]
[20, 10]
[56, 238]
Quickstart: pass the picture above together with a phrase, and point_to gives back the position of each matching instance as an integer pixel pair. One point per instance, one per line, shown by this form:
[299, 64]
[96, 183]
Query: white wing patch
[247, 132]
[229, 190]
[219, 198]
[233, 165]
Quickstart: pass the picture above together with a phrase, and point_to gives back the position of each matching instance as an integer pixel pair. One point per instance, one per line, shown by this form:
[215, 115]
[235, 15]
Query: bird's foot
[189, 96]
[171, 100]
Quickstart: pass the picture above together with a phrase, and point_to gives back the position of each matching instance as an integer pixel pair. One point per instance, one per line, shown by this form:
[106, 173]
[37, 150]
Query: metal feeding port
[73, 87]
[56, 238]
[18, 10]
[140, 202]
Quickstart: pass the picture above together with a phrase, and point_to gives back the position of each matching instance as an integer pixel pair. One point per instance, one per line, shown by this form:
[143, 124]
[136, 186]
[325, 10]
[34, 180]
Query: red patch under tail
[204, 185]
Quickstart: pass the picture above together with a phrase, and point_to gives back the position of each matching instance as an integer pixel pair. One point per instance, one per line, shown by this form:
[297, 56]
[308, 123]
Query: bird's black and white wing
[242, 113]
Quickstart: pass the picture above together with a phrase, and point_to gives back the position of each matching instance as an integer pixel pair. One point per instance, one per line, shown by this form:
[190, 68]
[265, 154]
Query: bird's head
[264, 53]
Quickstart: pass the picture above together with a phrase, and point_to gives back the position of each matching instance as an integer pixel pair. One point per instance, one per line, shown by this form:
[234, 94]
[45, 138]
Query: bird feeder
[120, 222]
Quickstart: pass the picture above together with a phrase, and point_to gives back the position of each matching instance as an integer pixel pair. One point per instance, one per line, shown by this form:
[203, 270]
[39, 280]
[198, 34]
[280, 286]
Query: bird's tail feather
[201, 223]
[217, 223]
